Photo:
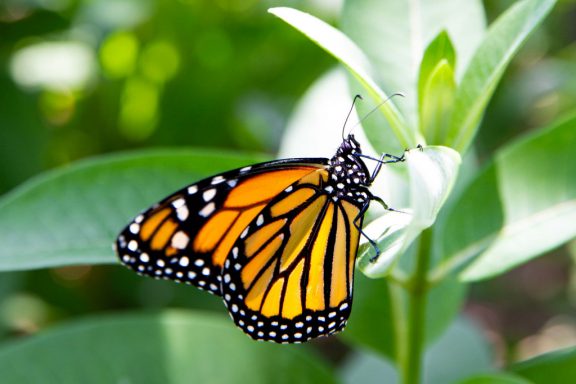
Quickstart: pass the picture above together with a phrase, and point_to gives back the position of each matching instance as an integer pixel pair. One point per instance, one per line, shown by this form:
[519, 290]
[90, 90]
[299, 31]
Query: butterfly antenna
[377, 107]
[349, 113]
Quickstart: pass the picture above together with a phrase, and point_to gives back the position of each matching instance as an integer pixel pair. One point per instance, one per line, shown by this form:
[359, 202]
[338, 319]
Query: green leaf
[505, 36]
[436, 89]
[495, 378]
[394, 35]
[72, 215]
[174, 347]
[553, 367]
[522, 205]
[344, 50]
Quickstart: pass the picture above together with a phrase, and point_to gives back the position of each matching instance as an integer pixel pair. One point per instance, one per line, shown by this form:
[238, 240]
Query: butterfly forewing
[188, 236]
[290, 275]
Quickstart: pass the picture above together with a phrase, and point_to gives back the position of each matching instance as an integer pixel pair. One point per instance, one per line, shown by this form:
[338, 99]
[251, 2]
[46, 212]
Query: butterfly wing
[289, 276]
[188, 236]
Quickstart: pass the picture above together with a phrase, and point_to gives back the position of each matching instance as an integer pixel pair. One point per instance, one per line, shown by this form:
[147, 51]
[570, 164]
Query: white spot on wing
[192, 189]
[182, 212]
[207, 210]
[209, 194]
[132, 245]
[180, 240]
[134, 228]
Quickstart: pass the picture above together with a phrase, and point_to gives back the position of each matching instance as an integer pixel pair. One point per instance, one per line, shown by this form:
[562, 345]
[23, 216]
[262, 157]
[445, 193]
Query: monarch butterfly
[276, 240]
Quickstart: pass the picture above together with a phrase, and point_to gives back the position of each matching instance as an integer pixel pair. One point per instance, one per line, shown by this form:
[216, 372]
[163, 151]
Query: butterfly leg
[381, 161]
[356, 223]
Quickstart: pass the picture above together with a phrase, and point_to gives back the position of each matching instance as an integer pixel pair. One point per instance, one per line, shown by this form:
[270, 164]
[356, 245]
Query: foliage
[473, 205]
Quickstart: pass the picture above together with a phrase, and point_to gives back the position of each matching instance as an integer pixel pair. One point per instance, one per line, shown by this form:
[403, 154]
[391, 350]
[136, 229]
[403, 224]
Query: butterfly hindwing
[188, 236]
[289, 277]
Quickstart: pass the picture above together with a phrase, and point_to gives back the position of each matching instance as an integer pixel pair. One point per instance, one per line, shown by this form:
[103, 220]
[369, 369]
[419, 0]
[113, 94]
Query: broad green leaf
[72, 215]
[371, 324]
[553, 367]
[436, 88]
[505, 36]
[519, 207]
[495, 378]
[394, 35]
[344, 50]
[173, 347]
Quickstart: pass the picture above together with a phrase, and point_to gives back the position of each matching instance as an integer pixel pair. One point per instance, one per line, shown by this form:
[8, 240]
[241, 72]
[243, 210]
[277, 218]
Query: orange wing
[188, 236]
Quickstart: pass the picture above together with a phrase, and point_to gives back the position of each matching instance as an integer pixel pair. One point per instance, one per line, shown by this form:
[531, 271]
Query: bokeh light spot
[160, 61]
[59, 66]
[139, 109]
[118, 54]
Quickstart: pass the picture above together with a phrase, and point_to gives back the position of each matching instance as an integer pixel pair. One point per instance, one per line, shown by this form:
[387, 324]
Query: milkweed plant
[454, 221]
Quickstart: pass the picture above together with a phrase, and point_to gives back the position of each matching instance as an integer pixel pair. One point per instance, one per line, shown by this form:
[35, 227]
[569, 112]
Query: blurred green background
[83, 78]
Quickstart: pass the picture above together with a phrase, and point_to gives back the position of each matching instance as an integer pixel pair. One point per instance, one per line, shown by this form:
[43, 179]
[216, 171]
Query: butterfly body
[277, 241]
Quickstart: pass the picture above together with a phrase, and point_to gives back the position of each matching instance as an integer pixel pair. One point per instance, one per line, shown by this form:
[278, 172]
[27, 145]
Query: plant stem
[411, 364]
